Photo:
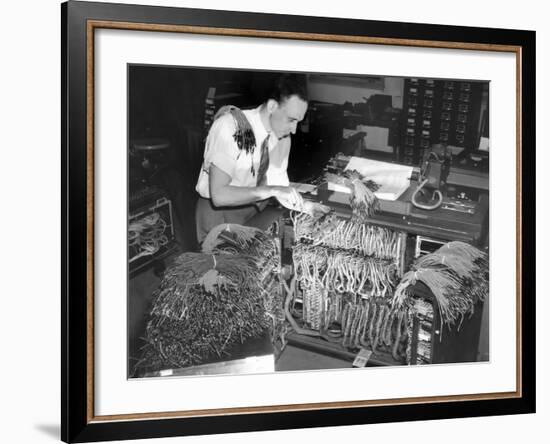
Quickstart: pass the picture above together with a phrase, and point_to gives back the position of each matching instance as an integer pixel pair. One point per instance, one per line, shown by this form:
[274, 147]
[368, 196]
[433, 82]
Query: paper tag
[166, 372]
[362, 358]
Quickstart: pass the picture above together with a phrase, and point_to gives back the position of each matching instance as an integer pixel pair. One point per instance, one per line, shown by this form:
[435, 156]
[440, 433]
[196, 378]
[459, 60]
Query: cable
[147, 234]
[436, 193]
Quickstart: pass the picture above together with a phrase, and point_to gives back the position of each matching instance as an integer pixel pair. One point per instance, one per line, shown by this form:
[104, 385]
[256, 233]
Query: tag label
[362, 358]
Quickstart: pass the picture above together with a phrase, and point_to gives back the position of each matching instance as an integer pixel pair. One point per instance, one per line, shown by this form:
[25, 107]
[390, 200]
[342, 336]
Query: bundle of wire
[355, 322]
[315, 297]
[263, 249]
[344, 271]
[371, 324]
[363, 201]
[240, 239]
[457, 274]
[243, 135]
[147, 235]
[344, 268]
[205, 304]
[331, 231]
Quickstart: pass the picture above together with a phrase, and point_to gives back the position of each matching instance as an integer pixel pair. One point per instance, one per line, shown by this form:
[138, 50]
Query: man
[246, 158]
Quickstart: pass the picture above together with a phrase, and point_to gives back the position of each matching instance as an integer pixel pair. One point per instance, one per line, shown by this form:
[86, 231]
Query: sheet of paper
[393, 179]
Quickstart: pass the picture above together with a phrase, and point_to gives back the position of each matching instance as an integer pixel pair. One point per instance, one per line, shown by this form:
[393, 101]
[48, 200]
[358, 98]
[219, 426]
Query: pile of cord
[457, 274]
[210, 301]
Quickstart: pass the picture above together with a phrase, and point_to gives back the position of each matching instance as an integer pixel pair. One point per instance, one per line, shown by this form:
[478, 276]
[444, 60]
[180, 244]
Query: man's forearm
[230, 196]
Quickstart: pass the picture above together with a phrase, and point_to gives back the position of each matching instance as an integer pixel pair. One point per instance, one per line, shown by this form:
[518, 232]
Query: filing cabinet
[439, 111]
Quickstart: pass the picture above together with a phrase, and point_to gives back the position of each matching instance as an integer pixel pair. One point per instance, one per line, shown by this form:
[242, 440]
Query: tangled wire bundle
[344, 271]
[458, 276]
[362, 199]
[263, 250]
[147, 235]
[372, 324]
[205, 304]
[347, 271]
[240, 239]
[333, 232]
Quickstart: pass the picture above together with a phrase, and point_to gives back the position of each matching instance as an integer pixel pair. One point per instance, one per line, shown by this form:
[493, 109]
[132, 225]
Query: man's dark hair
[288, 85]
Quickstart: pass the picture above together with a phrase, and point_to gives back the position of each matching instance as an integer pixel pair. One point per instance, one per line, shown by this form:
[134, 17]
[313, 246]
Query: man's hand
[288, 197]
[223, 194]
[315, 209]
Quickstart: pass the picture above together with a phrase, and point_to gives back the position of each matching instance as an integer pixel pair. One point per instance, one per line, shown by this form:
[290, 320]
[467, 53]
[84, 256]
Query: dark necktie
[264, 163]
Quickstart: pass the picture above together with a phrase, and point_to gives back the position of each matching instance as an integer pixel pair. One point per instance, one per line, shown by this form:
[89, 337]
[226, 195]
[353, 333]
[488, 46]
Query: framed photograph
[275, 221]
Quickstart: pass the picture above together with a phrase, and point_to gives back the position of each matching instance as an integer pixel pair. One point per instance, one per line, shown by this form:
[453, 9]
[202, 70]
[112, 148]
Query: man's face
[286, 116]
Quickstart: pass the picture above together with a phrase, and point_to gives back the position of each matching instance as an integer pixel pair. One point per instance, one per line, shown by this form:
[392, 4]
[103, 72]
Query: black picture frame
[79, 19]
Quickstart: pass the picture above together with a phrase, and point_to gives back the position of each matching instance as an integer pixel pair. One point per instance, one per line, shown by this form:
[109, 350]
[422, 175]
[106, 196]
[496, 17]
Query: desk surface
[439, 223]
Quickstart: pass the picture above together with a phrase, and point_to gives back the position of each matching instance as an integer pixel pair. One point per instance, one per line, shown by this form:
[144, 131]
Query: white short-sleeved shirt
[222, 151]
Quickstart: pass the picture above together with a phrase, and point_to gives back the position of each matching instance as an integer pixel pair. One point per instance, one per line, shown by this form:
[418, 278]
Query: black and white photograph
[274, 222]
[279, 221]
[300, 221]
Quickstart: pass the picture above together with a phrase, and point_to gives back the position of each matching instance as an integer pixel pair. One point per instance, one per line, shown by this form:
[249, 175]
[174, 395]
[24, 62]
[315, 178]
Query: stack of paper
[392, 179]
